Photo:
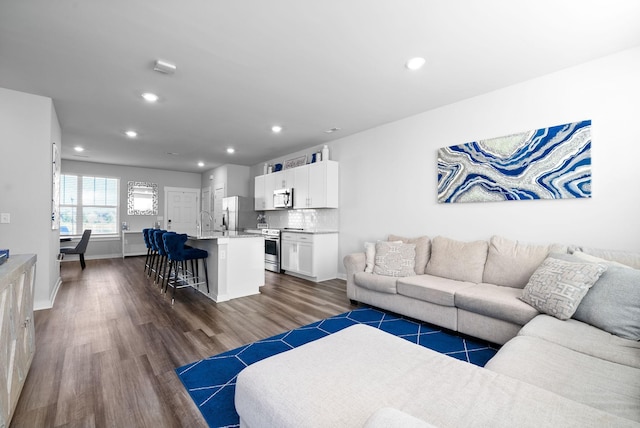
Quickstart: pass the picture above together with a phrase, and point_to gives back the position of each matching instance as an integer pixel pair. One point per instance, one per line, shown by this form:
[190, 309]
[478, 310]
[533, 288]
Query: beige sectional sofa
[470, 287]
[551, 371]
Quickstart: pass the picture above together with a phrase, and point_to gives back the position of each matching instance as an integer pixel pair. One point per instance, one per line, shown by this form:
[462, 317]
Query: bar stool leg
[206, 274]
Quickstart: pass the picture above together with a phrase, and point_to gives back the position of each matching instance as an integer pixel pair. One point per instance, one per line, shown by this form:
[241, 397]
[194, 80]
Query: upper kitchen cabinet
[284, 179]
[316, 185]
[259, 200]
[263, 192]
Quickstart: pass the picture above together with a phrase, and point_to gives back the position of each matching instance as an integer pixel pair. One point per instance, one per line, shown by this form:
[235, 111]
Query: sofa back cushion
[625, 257]
[462, 261]
[423, 250]
[511, 263]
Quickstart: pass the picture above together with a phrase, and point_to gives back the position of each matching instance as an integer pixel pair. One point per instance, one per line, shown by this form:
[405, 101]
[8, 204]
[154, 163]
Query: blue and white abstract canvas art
[547, 163]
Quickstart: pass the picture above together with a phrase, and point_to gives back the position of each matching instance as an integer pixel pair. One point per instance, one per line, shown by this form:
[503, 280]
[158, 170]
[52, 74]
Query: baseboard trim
[40, 305]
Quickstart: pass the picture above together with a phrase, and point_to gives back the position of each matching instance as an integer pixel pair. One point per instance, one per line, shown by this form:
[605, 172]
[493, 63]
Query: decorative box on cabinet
[312, 256]
[17, 335]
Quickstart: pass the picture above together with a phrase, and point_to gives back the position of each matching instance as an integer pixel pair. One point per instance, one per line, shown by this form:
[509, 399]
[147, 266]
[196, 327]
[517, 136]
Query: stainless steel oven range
[271, 249]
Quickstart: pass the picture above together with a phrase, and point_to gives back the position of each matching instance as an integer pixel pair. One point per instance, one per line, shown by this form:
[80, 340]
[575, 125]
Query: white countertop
[309, 231]
[226, 234]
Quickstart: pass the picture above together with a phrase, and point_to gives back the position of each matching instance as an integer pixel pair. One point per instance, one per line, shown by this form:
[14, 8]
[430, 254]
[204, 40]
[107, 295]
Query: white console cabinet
[133, 243]
[312, 256]
[17, 335]
[315, 185]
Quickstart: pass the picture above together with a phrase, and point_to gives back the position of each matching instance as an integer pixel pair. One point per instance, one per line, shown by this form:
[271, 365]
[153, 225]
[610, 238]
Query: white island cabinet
[235, 264]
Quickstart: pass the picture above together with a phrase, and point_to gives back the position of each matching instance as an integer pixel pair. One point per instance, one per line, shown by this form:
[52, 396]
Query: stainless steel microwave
[283, 198]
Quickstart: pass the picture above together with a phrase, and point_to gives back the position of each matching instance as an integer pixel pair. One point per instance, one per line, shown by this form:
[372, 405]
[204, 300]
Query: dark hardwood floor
[107, 350]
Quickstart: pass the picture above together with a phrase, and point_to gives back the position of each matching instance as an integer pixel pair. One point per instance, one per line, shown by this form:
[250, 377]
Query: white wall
[102, 247]
[28, 126]
[388, 174]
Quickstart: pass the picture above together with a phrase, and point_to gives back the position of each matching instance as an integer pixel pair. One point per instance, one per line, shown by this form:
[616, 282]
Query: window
[88, 203]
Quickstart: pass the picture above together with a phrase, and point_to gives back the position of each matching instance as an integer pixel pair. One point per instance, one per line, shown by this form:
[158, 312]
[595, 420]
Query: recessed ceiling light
[276, 128]
[231, 150]
[78, 149]
[131, 134]
[149, 97]
[415, 63]
[200, 164]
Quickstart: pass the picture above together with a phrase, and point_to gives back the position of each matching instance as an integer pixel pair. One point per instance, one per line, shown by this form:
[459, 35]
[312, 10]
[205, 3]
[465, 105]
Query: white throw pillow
[370, 254]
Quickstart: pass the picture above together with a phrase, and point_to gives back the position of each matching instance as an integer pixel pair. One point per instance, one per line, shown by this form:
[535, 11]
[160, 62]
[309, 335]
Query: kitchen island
[235, 263]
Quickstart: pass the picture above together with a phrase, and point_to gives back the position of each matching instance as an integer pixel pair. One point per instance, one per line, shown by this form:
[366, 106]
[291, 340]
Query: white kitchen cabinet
[17, 335]
[316, 185]
[269, 187]
[284, 179]
[311, 256]
[259, 193]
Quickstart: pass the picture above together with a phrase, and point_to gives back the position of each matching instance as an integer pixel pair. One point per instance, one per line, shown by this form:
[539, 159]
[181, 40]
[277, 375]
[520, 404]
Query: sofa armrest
[353, 263]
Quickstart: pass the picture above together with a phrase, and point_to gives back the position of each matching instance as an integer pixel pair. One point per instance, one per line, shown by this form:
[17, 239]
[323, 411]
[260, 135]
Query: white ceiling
[244, 65]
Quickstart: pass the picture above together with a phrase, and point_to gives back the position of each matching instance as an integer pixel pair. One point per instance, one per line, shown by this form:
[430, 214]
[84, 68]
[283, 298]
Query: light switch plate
[5, 218]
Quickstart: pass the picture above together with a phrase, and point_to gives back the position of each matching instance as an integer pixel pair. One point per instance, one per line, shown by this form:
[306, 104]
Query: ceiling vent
[164, 67]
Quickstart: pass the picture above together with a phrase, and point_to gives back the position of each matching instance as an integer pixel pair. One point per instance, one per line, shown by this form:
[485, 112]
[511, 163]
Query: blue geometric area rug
[211, 382]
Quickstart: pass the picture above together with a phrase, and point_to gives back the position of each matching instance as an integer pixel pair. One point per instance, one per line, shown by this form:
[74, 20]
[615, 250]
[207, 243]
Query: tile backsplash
[304, 219]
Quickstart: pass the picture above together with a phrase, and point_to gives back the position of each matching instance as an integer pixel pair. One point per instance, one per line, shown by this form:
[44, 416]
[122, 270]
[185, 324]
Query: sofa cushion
[388, 417]
[582, 337]
[394, 259]
[379, 283]
[598, 383]
[342, 379]
[624, 257]
[557, 286]
[497, 302]
[431, 288]
[453, 259]
[511, 263]
[613, 303]
[423, 250]
[589, 258]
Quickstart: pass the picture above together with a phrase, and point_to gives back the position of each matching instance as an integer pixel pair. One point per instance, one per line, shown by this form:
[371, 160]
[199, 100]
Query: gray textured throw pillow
[423, 250]
[557, 287]
[613, 303]
[394, 259]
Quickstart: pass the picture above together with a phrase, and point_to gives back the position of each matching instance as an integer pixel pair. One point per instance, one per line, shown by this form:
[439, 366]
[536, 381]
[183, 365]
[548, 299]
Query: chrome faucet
[200, 231]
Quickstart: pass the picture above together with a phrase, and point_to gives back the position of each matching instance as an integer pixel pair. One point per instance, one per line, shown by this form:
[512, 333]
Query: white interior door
[182, 207]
